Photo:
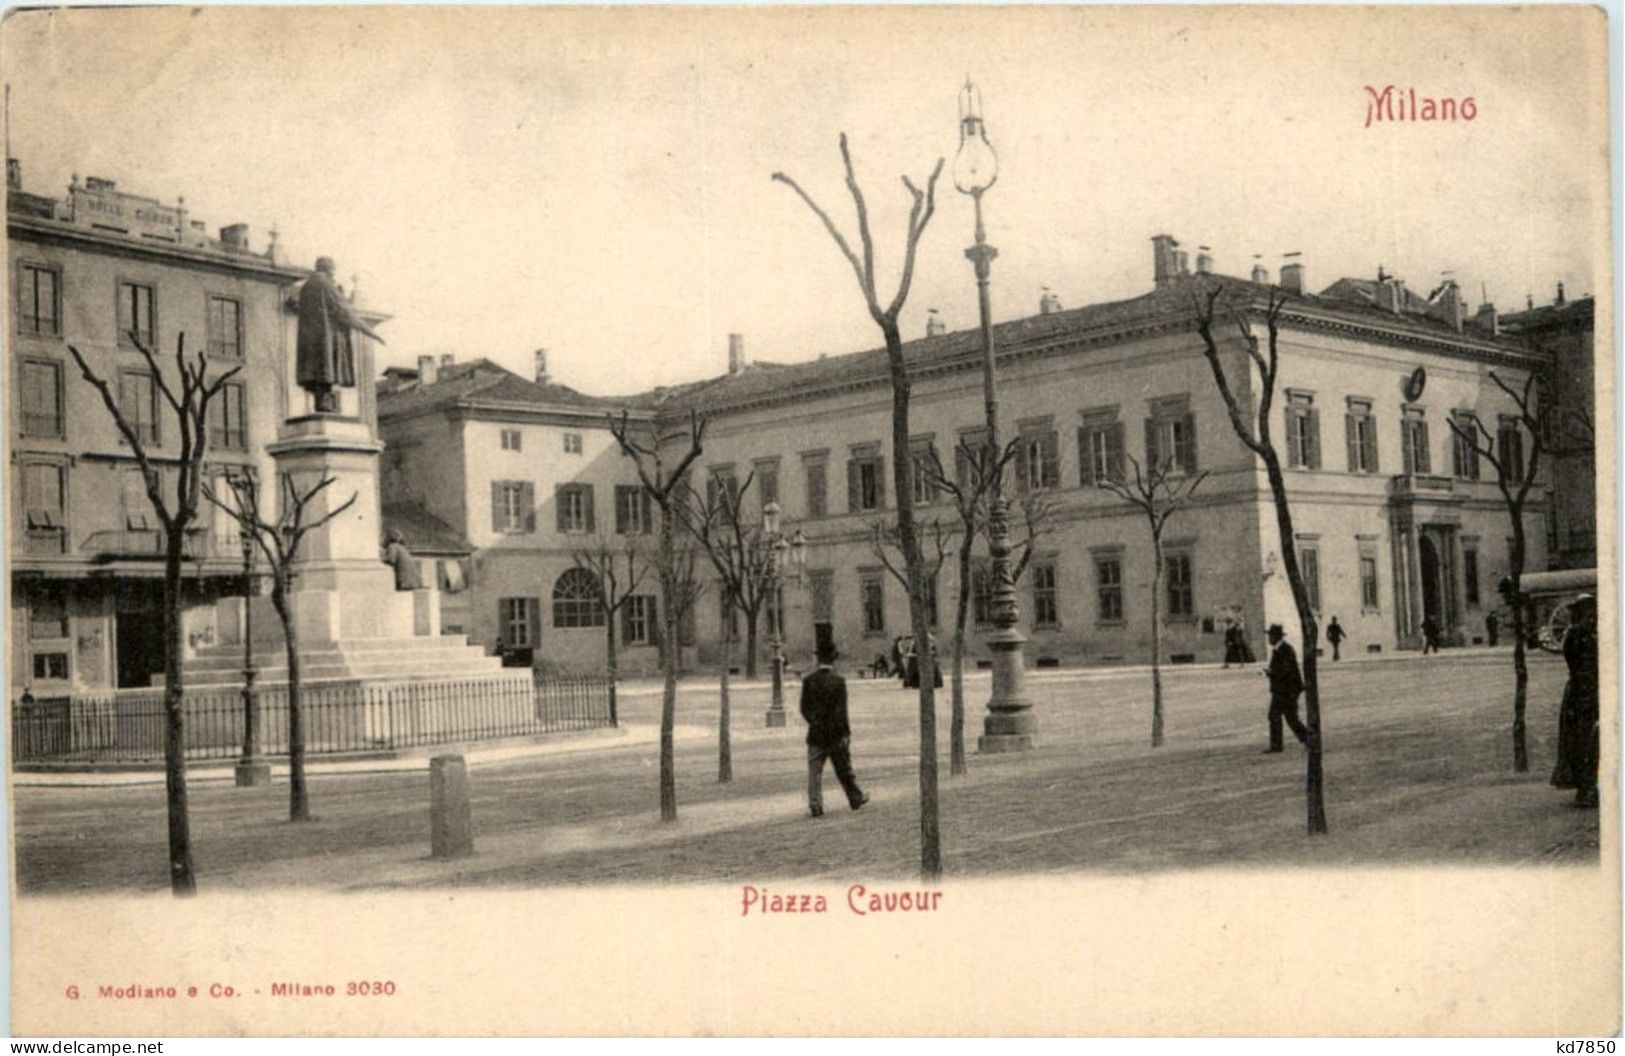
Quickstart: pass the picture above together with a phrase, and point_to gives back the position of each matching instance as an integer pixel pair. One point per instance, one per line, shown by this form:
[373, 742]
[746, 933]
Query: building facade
[86, 546]
[1396, 521]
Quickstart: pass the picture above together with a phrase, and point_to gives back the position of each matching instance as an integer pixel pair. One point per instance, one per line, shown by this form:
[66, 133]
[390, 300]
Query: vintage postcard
[811, 521]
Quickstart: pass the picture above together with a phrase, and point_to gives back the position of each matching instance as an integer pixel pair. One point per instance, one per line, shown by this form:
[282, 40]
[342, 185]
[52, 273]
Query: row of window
[39, 311]
[513, 509]
[44, 415]
[513, 440]
[1360, 434]
[45, 493]
[576, 604]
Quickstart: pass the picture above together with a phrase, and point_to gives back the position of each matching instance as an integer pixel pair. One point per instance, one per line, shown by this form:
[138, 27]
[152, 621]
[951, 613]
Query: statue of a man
[326, 355]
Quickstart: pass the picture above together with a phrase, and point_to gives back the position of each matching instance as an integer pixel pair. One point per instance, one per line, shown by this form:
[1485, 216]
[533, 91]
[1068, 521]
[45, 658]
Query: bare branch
[834, 232]
[919, 216]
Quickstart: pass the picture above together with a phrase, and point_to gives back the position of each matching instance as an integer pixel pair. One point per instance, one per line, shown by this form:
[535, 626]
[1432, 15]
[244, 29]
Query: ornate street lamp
[777, 554]
[1009, 725]
[251, 769]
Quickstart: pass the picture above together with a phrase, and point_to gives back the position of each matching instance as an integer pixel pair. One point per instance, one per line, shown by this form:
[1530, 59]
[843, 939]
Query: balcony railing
[345, 717]
[148, 543]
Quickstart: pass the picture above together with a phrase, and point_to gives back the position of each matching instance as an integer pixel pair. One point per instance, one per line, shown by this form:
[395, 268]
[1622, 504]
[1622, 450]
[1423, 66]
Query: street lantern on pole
[776, 553]
[1009, 724]
[251, 769]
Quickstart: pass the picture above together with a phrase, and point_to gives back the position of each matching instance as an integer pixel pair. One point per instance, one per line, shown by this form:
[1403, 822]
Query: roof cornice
[1303, 316]
[195, 256]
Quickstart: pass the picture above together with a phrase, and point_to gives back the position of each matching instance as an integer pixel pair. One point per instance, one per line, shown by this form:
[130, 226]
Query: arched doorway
[1432, 592]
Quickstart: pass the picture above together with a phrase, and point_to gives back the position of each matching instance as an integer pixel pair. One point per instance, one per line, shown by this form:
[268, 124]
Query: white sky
[597, 182]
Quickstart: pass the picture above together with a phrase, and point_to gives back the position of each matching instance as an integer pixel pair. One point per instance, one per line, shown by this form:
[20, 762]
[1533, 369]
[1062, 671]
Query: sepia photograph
[516, 501]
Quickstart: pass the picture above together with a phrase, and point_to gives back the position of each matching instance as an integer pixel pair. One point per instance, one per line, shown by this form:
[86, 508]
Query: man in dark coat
[325, 355]
[823, 705]
[1335, 635]
[1286, 682]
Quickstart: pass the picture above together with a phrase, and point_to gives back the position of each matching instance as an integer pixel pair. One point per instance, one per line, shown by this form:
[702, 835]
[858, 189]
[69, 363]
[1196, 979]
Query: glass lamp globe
[976, 166]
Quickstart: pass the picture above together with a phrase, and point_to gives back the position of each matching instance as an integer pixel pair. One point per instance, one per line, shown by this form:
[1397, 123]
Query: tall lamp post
[251, 768]
[1010, 723]
[786, 559]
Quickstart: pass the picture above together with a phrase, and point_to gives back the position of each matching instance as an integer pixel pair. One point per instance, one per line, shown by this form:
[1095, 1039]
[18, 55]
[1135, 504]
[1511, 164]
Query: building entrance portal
[139, 626]
[1432, 605]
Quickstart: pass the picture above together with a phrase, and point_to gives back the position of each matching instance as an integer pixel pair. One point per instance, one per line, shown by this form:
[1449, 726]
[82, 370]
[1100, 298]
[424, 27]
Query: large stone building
[1396, 521]
[85, 545]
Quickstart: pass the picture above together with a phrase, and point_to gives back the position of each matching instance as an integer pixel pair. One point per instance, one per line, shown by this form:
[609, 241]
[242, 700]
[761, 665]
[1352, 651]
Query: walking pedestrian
[1335, 635]
[829, 735]
[1430, 635]
[1286, 682]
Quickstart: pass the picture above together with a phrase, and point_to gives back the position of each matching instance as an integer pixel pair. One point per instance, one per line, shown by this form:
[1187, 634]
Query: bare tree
[1037, 507]
[1515, 476]
[665, 490]
[968, 493]
[1256, 437]
[604, 559]
[280, 542]
[863, 268]
[884, 540]
[744, 566]
[189, 396]
[1159, 492]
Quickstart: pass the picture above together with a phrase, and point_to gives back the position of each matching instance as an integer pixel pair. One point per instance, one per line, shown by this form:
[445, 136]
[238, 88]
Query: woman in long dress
[1577, 735]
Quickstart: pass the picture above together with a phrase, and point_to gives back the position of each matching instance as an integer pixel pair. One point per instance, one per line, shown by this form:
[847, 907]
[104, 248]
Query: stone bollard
[451, 825]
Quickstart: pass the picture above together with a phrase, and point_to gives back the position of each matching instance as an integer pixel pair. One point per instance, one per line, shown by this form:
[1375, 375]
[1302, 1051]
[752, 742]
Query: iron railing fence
[341, 717]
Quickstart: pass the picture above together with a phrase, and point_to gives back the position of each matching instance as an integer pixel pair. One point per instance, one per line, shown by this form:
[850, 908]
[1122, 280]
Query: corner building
[86, 547]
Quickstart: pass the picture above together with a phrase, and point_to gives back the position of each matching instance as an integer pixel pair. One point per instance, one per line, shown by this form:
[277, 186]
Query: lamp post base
[777, 718]
[251, 772]
[1010, 722]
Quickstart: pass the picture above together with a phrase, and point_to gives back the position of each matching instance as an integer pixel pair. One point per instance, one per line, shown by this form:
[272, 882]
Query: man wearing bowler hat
[1286, 682]
[823, 705]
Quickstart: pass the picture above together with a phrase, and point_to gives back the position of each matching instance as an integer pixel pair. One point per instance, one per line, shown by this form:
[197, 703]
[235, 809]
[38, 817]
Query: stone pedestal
[342, 589]
[252, 772]
[1010, 723]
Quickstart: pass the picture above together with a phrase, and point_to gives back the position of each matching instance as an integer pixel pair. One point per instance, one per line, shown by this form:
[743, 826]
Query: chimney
[1292, 273]
[1183, 260]
[1048, 303]
[1487, 319]
[235, 236]
[736, 353]
[1561, 300]
[1450, 305]
[426, 370]
[14, 174]
[934, 326]
[542, 376]
[1204, 260]
[1164, 265]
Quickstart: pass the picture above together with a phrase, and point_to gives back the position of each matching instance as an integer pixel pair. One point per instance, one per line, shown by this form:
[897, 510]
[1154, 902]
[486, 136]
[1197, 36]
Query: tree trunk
[668, 699]
[930, 835]
[750, 644]
[182, 879]
[1315, 778]
[1520, 666]
[1156, 641]
[725, 754]
[956, 721]
[298, 799]
[612, 663]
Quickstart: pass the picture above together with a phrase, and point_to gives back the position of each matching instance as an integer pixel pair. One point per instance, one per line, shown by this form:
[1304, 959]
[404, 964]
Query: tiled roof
[425, 533]
[482, 381]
